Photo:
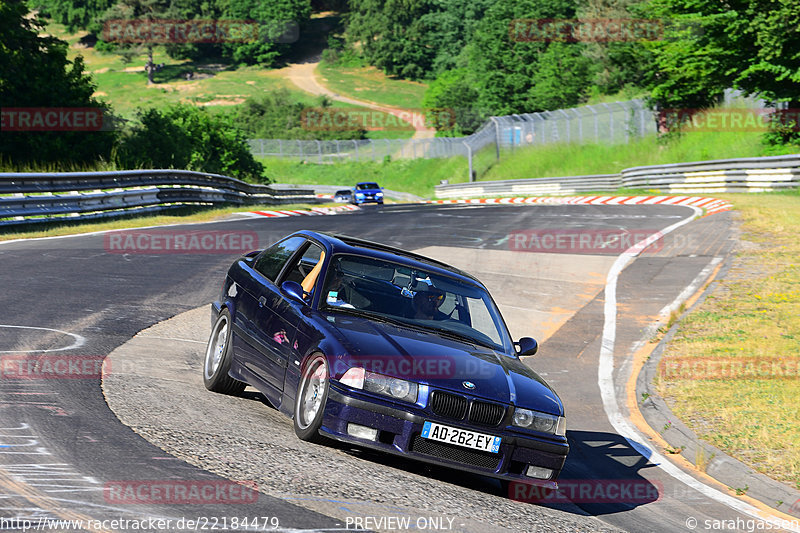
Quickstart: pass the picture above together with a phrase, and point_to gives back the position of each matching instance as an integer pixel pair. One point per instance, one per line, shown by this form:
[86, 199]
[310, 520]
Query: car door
[258, 293]
[279, 315]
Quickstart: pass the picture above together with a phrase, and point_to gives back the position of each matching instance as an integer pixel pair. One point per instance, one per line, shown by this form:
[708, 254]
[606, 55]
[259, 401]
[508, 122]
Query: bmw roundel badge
[468, 385]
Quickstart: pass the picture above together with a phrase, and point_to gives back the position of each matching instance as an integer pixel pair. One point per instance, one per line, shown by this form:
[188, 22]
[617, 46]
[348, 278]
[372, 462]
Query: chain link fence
[611, 123]
[616, 122]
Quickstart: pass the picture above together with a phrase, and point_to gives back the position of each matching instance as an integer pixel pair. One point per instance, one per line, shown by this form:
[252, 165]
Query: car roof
[367, 183]
[347, 244]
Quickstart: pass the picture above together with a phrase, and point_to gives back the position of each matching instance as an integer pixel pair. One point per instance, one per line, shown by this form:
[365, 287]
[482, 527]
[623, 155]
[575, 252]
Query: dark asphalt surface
[64, 444]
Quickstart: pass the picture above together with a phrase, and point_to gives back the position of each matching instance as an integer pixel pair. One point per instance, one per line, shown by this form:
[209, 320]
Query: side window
[302, 266]
[482, 319]
[271, 261]
[449, 306]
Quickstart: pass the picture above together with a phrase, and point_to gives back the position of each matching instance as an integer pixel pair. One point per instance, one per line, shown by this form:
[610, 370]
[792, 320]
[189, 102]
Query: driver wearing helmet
[426, 303]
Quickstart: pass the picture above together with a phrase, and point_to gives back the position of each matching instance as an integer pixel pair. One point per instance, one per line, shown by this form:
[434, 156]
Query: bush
[187, 137]
[277, 116]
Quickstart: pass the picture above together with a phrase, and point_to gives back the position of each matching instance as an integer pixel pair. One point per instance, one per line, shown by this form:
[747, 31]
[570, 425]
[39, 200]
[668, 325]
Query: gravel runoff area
[154, 385]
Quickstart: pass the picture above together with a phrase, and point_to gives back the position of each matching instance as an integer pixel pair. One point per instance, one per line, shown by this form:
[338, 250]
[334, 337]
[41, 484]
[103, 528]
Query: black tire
[217, 361]
[312, 395]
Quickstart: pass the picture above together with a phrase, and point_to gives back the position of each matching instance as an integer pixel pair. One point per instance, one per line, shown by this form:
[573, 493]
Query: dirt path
[304, 76]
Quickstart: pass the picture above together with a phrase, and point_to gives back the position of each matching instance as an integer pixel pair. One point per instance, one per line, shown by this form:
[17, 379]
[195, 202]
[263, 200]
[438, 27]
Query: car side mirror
[293, 290]
[527, 346]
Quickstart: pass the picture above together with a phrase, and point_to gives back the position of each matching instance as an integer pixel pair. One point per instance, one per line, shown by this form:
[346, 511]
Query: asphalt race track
[61, 445]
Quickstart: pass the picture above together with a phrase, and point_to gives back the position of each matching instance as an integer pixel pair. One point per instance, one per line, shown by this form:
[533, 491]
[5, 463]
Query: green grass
[371, 84]
[753, 313]
[558, 160]
[421, 176]
[218, 87]
[415, 176]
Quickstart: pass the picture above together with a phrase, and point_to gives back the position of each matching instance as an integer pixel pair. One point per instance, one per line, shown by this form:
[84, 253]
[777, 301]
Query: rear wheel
[312, 395]
[219, 353]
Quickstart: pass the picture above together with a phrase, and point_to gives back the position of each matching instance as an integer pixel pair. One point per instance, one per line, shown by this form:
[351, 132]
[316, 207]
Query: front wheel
[219, 353]
[312, 395]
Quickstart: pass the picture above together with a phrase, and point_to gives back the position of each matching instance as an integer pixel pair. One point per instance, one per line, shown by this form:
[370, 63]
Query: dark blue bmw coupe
[383, 348]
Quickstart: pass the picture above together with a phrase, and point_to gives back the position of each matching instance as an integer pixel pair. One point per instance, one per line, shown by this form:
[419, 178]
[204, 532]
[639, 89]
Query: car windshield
[367, 186]
[414, 296]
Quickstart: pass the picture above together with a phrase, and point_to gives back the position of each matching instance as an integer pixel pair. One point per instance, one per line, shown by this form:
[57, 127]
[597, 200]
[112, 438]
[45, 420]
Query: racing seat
[311, 279]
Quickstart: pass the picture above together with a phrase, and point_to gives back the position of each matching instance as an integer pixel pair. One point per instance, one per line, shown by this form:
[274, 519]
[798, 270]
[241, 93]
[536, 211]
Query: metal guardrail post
[496, 123]
[469, 158]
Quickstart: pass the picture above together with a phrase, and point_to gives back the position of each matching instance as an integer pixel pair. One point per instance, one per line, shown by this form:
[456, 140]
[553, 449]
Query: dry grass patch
[754, 314]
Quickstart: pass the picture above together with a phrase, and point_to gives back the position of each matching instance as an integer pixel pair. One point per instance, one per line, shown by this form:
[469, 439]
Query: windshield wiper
[414, 325]
[460, 336]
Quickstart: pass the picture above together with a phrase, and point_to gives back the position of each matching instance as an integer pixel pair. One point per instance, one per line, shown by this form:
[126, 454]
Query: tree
[187, 137]
[280, 23]
[617, 64]
[74, 15]
[413, 38]
[393, 35]
[35, 73]
[507, 61]
[125, 15]
[749, 44]
[455, 91]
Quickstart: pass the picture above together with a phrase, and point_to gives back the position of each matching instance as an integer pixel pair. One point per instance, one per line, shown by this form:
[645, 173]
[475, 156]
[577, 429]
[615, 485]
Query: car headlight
[379, 194]
[396, 388]
[546, 423]
[359, 195]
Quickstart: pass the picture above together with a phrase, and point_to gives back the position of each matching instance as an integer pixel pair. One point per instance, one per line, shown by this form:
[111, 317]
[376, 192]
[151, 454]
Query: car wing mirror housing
[293, 290]
[527, 346]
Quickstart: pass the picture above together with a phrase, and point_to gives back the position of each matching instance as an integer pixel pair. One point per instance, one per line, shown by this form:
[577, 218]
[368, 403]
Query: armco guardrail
[756, 174]
[752, 174]
[35, 197]
[566, 185]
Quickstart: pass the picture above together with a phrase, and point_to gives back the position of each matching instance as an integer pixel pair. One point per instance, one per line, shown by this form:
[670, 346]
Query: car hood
[442, 362]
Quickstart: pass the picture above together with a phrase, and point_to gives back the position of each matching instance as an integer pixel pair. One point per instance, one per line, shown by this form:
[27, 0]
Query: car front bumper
[399, 433]
[366, 200]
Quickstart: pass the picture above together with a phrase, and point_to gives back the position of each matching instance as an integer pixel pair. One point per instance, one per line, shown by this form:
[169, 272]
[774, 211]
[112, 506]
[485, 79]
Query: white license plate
[461, 437]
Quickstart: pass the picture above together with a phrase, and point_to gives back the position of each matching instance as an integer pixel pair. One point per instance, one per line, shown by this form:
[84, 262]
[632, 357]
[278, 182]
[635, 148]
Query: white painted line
[605, 380]
[76, 343]
[691, 288]
[651, 329]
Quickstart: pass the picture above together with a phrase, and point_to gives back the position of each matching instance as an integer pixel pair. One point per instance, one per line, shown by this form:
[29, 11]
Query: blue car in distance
[367, 191]
[386, 349]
